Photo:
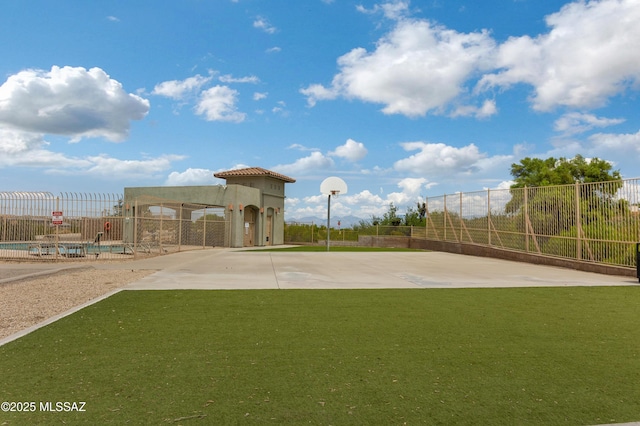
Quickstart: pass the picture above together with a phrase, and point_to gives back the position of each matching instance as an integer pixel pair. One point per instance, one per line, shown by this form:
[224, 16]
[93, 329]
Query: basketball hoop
[331, 187]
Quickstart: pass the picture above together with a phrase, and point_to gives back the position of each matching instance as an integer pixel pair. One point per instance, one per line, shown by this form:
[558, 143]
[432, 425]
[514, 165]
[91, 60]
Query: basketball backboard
[333, 186]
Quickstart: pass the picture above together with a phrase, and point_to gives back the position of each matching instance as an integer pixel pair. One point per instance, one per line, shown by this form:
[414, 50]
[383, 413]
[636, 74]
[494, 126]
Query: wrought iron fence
[40, 225]
[593, 222]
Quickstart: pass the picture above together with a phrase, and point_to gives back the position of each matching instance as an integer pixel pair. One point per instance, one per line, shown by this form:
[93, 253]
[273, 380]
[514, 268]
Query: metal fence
[78, 226]
[312, 233]
[593, 222]
[165, 225]
[590, 222]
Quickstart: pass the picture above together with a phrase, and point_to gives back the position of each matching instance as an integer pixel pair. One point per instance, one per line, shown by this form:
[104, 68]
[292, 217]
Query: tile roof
[252, 172]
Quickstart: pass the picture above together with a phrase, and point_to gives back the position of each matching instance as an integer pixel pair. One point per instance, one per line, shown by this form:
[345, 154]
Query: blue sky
[401, 99]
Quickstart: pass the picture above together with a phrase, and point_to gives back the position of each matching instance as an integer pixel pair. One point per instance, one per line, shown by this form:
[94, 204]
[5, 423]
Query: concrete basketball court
[258, 269]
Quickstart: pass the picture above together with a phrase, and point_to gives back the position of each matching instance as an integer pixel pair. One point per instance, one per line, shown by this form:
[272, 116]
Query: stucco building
[252, 199]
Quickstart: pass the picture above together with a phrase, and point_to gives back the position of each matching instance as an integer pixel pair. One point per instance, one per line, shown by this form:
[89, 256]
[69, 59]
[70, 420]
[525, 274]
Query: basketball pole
[328, 220]
[331, 186]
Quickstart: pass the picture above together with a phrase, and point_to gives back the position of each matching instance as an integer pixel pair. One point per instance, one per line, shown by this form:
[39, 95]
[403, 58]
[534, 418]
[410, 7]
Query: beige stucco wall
[262, 194]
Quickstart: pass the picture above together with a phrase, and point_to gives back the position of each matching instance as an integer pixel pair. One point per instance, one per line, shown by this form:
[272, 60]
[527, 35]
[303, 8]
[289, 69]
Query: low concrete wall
[385, 241]
[484, 251]
[337, 243]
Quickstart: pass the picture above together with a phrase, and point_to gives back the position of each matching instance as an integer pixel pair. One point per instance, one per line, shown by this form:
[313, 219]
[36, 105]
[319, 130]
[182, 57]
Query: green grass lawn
[438, 356]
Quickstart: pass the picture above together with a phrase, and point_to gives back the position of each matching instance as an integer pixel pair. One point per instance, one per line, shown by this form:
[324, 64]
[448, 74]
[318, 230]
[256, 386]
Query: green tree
[390, 218]
[536, 172]
[562, 212]
[417, 216]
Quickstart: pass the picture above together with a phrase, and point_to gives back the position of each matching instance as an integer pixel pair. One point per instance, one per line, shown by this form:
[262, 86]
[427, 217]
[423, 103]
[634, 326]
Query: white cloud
[313, 162]
[280, 109]
[419, 67]
[228, 78]
[257, 96]
[316, 205]
[300, 147]
[505, 184]
[363, 198]
[264, 25]
[399, 199]
[315, 199]
[69, 101]
[178, 89]
[495, 165]
[13, 142]
[109, 167]
[624, 142]
[576, 122]
[392, 10]
[191, 177]
[465, 166]
[411, 192]
[49, 161]
[487, 109]
[413, 186]
[351, 150]
[584, 59]
[291, 202]
[219, 104]
[237, 166]
[435, 158]
[317, 92]
[24, 149]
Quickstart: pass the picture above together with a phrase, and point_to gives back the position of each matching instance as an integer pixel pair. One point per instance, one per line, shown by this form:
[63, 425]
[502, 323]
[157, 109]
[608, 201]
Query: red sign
[56, 218]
